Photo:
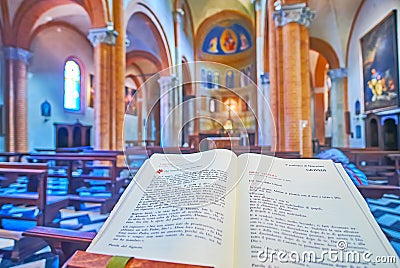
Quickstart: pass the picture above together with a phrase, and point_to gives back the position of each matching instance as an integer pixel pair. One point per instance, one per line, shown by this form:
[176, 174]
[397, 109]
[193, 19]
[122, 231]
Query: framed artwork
[130, 101]
[380, 65]
[91, 90]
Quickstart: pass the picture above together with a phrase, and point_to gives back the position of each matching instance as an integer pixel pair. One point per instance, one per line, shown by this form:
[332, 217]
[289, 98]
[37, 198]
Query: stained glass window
[72, 86]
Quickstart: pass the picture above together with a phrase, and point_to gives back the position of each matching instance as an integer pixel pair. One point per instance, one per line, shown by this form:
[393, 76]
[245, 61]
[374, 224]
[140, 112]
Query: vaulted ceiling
[333, 18]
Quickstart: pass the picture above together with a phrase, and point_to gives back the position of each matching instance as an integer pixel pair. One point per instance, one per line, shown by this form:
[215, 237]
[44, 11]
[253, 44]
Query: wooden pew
[368, 156]
[77, 180]
[67, 243]
[265, 151]
[13, 156]
[396, 158]
[168, 150]
[48, 206]
[375, 163]
[135, 157]
[83, 259]
[24, 247]
[377, 191]
[62, 242]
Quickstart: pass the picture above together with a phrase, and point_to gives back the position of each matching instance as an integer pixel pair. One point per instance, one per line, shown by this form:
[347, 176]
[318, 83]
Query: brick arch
[319, 99]
[30, 11]
[141, 54]
[326, 50]
[162, 62]
[320, 71]
[188, 89]
[147, 13]
[140, 77]
[184, 5]
[98, 12]
[135, 79]
[58, 24]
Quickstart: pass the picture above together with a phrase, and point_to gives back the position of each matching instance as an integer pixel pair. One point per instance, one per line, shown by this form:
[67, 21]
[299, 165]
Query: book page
[304, 212]
[180, 209]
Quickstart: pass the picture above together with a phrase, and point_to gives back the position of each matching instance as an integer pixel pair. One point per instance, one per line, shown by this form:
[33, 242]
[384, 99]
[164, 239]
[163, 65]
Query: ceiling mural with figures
[226, 40]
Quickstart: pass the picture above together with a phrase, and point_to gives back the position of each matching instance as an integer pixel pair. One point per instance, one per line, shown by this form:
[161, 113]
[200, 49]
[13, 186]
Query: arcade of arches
[282, 73]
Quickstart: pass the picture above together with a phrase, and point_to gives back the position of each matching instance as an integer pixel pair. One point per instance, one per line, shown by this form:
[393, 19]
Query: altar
[222, 142]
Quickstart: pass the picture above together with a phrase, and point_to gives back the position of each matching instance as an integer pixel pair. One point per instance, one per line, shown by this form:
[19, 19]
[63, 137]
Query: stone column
[294, 79]
[337, 103]
[178, 92]
[168, 111]
[264, 116]
[273, 77]
[263, 126]
[120, 61]
[15, 99]
[319, 114]
[280, 91]
[306, 91]
[259, 39]
[102, 39]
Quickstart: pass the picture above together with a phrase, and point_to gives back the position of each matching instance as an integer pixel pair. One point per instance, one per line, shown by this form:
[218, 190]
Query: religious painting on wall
[226, 39]
[91, 91]
[130, 101]
[380, 65]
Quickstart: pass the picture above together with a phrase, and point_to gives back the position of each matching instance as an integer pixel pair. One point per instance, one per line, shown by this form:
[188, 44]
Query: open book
[218, 209]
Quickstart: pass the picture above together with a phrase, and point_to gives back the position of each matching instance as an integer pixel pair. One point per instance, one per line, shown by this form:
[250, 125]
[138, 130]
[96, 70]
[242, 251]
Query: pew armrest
[62, 235]
[14, 235]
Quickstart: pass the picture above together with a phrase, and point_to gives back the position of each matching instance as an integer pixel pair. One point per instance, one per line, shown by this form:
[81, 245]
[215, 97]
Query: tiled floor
[385, 210]
[387, 213]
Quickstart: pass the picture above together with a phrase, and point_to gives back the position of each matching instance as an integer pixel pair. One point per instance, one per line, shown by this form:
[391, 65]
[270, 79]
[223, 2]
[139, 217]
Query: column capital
[178, 14]
[299, 13]
[165, 81]
[337, 73]
[105, 35]
[257, 4]
[16, 53]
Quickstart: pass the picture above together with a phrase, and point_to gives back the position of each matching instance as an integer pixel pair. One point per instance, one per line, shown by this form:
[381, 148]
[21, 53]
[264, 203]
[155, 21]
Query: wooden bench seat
[377, 191]
[50, 212]
[87, 163]
[83, 259]
[29, 198]
[376, 168]
[107, 203]
[48, 206]
[62, 242]
[24, 247]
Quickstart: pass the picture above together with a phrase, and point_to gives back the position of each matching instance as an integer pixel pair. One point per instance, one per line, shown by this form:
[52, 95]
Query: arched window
[72, 86]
